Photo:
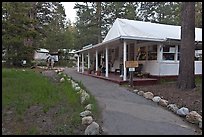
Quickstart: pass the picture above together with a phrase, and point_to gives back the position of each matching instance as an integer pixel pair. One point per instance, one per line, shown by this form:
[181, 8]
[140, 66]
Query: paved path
[125, 113]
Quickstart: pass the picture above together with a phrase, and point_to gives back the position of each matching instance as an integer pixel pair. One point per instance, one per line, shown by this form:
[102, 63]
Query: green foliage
[38, 90]
[27, 26]
[198, 14]
[17, 30]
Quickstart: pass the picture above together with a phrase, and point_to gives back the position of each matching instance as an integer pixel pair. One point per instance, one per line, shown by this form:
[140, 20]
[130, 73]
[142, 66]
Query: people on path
[50, 62]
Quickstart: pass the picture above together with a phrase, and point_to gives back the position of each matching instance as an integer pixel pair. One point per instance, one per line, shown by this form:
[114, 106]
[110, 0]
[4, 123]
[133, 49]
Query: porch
[115, 77]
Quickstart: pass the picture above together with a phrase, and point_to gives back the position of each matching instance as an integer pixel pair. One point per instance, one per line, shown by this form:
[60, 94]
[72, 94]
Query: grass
[23, 89]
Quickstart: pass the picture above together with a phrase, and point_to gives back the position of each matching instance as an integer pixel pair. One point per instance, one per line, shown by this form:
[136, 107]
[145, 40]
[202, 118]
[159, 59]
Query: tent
[159, 44]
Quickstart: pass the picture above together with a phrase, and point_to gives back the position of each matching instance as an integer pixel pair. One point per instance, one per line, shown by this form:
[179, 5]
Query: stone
[200, 124]
[80, 91]
[84, 96]
[87, 120]
[89, 106]
[85, 113]
[182, 111]
[163, 102]
[156, 99]
[77, 88]
[74, 84]
[172, 107]
[193, 117]
[140, 93]
[62, 80]
[92, 129]
[148, 95]
[135, 91]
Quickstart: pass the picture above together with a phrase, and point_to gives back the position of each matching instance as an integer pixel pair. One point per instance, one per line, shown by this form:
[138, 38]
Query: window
[178, 55]
[198, 55]
[143, 53]
[152, 52]
[169, 52]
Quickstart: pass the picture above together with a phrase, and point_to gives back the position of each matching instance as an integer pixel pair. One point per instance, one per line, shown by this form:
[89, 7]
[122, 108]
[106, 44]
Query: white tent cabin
[42, 54]
[158, 47]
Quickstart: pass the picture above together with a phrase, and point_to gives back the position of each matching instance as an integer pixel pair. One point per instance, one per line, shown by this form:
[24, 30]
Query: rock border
[92, 128]
[190, 116]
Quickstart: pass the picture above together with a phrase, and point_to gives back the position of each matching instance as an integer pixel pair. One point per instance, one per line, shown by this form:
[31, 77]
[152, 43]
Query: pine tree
[186, 78]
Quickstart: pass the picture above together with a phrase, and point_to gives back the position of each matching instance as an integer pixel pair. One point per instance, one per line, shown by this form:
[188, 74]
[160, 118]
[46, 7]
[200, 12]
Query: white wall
[198, 67]
[40, 56]
[166, 68]
[151, 67]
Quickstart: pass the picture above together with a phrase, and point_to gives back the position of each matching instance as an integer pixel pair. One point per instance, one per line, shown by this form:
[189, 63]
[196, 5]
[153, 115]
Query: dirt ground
[192, 99]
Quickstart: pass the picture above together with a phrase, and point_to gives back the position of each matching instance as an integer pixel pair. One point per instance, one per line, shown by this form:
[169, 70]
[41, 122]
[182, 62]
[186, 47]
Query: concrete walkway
[125, 113]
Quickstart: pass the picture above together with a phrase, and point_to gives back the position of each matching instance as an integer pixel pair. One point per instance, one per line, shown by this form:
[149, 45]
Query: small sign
[131, 64]
[131, 69]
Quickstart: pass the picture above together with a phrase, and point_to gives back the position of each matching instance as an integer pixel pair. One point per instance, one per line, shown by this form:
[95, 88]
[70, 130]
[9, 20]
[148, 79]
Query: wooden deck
[116, 79]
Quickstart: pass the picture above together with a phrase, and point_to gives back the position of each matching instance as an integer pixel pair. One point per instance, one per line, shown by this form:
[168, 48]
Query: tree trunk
[99, 20]
[186, 77]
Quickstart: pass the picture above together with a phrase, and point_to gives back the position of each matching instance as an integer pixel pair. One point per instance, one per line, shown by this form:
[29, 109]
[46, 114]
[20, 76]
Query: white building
[154, 45]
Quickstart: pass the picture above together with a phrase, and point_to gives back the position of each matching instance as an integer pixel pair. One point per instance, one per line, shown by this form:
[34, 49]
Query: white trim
[78, 63]
[88, 60]
[124, 60]
[96, 60]
[82, 63]
[106, 62]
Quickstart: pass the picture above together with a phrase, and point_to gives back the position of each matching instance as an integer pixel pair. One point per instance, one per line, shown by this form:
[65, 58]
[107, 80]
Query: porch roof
[139, 30]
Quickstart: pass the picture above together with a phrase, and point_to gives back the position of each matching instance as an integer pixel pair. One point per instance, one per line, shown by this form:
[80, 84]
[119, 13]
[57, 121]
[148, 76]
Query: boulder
[193, 117]
[156, 99]
[62, 80]
[140, 93]
[200, 124]
[77, 88]
[87, 120]
[84, 96]
[92, 129]
[135, 91]
[80, 91]
[74, 84]
[172, 107]
[85, 113]
[148, 95]
[182, 111]
[163, 102]
[89, 106]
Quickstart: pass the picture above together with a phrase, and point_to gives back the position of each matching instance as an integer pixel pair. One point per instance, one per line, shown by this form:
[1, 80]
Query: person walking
[48, 61]
[52, 61]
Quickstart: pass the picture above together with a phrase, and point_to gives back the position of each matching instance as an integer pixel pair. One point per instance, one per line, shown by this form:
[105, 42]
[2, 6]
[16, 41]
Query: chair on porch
[138, 70]
[116, 66]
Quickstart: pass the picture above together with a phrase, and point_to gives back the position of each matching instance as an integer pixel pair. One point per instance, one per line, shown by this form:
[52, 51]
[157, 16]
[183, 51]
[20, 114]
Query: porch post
[106, 62]
[124, 59]
[88, 60]
[82, 63]
[96, 60]
[176, 53]
[78, 63]
[159, 52]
